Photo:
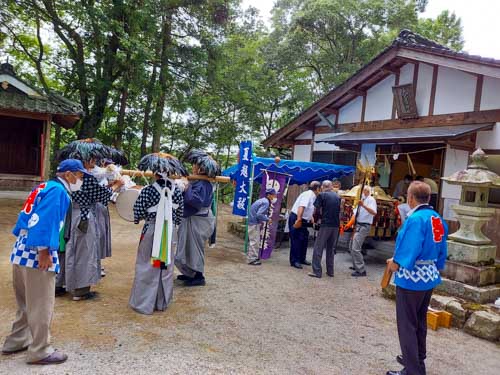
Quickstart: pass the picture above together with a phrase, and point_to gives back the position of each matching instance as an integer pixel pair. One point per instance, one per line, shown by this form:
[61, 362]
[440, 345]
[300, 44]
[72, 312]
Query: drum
[125, 202]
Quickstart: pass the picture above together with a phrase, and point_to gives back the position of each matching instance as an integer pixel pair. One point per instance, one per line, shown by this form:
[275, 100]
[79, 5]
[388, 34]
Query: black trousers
[411, 315]
[298, 241]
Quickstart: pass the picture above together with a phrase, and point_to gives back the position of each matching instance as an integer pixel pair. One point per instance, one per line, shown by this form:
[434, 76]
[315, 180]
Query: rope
[404, 153]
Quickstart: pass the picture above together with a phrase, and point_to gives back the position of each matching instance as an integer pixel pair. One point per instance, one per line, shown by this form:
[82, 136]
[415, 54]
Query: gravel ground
[247, 320]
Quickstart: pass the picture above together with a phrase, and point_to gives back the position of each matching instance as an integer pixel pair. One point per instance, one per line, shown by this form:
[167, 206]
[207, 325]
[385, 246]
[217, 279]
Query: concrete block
[463, 252]
[484, 324]
[469, 274]
[485, 294]
[440, 302]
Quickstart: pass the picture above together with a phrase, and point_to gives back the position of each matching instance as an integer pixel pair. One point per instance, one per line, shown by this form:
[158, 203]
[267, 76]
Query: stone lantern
[469, 244]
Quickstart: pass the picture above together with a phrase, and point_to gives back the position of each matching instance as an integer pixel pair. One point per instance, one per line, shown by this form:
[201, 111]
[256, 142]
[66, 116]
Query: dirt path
[270, 319]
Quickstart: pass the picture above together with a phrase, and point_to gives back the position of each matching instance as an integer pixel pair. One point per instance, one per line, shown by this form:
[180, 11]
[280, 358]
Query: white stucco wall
[490, 97]
[424, 85]
[302, 152]
[351, 112]
[406, 74]
[489, 140]
[455, 160]
[455, 91]
[379, 100]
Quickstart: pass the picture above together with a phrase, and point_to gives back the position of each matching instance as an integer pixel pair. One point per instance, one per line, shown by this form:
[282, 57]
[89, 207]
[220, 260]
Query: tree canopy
[173, 75]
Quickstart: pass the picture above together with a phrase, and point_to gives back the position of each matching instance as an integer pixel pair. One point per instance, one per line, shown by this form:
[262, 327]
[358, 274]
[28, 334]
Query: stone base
[18, 182]
[481, 320]
[485, 294]
[468, 274]
[463, 252]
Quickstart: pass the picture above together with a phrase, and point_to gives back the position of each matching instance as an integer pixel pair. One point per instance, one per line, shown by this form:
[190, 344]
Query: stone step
[478, 294]
[469, 274]
[480, 320]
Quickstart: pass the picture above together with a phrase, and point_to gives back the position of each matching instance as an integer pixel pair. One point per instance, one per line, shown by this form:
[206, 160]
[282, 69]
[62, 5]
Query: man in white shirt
[367, 210]
[301, 216]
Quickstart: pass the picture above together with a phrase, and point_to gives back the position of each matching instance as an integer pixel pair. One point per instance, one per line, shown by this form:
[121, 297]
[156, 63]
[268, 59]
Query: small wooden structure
[26, 115]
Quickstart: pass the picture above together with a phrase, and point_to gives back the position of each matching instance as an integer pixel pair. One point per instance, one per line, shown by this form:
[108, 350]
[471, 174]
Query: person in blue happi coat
[420, 253]
[40, 229]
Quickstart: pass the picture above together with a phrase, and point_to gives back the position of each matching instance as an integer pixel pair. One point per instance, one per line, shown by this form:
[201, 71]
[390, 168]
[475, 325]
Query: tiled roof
[50, 103]
[409, 39]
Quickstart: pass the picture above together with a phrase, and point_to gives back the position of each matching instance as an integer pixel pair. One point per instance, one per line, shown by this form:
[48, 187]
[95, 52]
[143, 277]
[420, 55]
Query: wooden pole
[137, 173]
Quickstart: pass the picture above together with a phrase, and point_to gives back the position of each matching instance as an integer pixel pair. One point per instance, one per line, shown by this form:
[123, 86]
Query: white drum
[125, 202]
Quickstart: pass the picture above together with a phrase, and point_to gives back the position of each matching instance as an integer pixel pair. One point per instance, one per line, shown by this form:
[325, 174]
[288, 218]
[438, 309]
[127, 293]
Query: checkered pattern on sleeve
[150, 197]
[90, 194]
[178, 199]
[28, 257]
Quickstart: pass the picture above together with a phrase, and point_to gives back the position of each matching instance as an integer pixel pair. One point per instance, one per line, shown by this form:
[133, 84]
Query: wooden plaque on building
[404, 97]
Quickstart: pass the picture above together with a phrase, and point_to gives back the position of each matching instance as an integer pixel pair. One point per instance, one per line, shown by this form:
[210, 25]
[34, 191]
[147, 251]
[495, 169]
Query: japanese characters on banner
[276, 181]
[241, 198]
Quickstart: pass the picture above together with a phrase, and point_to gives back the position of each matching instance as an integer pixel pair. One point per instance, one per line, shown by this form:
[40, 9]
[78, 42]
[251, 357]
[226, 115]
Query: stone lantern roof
[476, 174]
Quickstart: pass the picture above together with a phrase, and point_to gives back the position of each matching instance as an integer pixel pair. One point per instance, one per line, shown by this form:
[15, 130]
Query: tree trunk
[92, 121]
[120, 121]
[147, 110]
[157, 118]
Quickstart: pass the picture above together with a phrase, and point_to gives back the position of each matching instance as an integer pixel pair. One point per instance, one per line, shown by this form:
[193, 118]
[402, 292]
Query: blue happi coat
[39, 224]
[421, 250]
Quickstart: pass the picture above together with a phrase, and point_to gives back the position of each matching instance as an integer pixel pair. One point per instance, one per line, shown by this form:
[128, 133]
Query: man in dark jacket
[328, 204]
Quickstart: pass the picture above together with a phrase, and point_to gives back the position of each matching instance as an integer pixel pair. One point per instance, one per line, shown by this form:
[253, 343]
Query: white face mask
[76, 186]
[274, 200]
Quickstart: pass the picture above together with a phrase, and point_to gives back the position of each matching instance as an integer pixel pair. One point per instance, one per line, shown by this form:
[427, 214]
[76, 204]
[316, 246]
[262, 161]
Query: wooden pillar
[396, 83]
[433, 89]
[312, 143]
[363, 109]
[45, 148]
[479, 92]
[415, 78]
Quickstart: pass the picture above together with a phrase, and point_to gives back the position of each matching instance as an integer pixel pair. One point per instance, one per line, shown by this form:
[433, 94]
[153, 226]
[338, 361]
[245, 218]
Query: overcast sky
[479, 20]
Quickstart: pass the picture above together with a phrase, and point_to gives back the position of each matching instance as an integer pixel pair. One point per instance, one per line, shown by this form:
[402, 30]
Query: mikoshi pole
[216, 208]
[250, 188]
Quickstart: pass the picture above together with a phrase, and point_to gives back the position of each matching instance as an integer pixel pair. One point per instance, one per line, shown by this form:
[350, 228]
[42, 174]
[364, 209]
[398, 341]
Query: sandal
[53, 359]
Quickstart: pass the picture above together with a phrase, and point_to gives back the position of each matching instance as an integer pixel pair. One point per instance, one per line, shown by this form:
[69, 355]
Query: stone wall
[18, 182]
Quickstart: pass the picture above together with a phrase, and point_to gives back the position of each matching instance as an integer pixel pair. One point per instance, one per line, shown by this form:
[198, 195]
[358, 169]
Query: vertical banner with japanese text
[243, 176]
[276, 181]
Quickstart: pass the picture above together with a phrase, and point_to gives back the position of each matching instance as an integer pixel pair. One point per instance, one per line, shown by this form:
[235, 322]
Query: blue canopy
[302, 172]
